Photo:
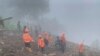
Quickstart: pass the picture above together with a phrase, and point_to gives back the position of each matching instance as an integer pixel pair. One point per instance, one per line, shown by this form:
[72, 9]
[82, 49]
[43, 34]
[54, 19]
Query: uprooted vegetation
[11, 45]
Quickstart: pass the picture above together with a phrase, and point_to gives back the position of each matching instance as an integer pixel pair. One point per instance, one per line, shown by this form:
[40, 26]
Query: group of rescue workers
[43, 42]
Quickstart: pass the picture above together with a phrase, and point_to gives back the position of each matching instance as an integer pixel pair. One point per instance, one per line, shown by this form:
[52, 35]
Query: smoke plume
[20, 8]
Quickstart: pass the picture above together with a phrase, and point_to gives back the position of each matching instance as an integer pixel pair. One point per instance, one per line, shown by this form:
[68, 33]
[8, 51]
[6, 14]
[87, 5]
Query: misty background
[79, 19]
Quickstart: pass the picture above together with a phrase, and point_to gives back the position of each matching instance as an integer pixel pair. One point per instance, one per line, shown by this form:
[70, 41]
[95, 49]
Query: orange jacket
[81, 48]
[27, 37]
[41, 42]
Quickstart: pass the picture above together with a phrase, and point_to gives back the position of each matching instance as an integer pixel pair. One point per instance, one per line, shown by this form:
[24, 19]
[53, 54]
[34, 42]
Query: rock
[2, 43]
[45, 55]
[0, 50]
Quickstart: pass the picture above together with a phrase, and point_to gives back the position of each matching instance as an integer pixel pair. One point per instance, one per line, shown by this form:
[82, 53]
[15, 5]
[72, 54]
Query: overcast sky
[80, 18]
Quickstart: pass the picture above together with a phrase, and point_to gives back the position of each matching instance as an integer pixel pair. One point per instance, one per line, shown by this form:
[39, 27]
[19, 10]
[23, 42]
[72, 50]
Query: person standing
[81, 49]
[41, 44]
[27, 38]
[19, 26]
[62, 42]
[57, 43]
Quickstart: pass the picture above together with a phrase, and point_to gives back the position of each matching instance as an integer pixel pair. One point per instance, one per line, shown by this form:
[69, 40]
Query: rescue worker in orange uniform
[27, 38]
[41, 43]
[81, 49]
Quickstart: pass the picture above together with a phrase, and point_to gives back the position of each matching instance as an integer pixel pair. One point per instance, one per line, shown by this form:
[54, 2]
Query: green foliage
[10, 25]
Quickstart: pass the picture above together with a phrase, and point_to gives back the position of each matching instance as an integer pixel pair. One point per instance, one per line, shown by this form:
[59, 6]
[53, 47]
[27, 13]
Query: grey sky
[79, 18]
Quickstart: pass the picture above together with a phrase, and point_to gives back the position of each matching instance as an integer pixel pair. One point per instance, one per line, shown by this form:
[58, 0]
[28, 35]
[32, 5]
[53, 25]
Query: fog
[79, 18]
